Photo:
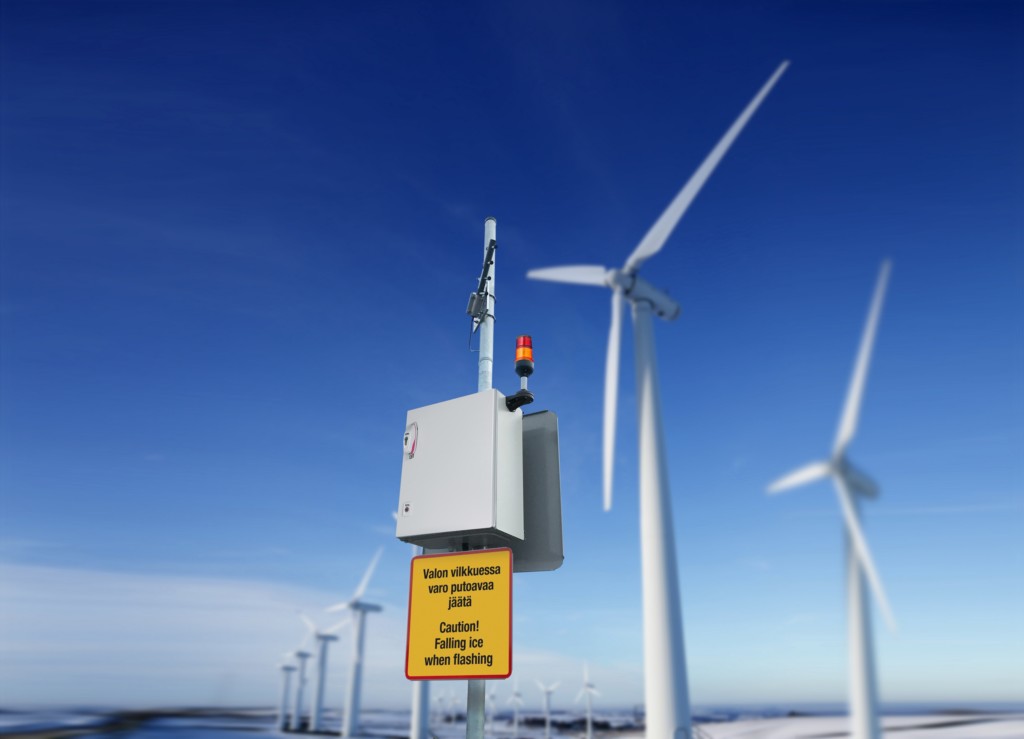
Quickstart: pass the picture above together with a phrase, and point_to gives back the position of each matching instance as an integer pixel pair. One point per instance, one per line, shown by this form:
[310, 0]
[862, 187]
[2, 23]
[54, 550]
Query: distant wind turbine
[547, 706]
[588, 691]
[419, 719]
[492, 696]
[300, 688]
[323, 639]
[850, 482]
[359, 610]
[665, 684]
[286, 682]
[517, 702]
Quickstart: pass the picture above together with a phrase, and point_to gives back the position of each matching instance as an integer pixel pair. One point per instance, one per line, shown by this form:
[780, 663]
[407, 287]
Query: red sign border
[408, 618]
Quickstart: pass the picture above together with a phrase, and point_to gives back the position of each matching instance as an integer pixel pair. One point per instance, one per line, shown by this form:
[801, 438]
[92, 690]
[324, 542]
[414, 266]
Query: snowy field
[208, 725]
[938, 726]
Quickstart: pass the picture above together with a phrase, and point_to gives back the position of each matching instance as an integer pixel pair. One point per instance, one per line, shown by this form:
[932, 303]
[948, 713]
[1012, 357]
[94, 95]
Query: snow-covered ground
[934, 726]
[395, 724]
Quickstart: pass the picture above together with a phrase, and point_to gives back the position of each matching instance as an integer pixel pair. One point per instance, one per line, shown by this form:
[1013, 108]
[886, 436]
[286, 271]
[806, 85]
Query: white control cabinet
[462, 474]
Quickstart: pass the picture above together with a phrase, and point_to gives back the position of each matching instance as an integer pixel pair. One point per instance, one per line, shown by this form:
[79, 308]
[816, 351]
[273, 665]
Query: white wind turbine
[666, 691]
[588, 691]
[517, 702]
[286, 683]
[547, 706]
[851, 484]
[300, 687]
[419, 719]
[350, 725]
[492, 696]
[323, 639]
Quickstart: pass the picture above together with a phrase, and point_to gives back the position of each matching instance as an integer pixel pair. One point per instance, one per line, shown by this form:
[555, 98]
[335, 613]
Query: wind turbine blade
[860, 546]
[540, 685]
[580, 695]
[574, 274]
[802, 476]
[338, 626]
[310, 626]
[367, 575]
[655, 238]
[338, 607]
[611, 393]
[855, 393]
[553, 686]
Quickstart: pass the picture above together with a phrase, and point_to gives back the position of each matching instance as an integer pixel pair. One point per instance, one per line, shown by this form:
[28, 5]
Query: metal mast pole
[475, 692]
[665, 684]
[419, 722]
[485, 365]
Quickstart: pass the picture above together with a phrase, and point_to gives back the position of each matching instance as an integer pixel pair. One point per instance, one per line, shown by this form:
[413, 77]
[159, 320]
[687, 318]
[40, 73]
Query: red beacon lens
[524, 356]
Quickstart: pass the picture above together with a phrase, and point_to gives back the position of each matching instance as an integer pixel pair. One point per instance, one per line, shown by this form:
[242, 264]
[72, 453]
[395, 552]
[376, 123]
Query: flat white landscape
[939, 726]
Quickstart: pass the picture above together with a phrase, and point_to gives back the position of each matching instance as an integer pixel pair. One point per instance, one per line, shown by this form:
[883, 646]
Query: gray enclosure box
[462, 474]
[541, 548]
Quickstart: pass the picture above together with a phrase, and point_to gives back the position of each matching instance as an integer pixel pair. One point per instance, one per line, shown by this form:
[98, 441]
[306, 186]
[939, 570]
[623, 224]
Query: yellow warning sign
[460, 616]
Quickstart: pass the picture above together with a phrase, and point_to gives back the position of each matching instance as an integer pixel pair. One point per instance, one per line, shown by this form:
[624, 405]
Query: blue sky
[235, 247]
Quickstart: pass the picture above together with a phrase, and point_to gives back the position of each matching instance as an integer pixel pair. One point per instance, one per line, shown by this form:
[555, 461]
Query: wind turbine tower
[323, 639]
[667, 700]
[588, 691]
[547, 706]
[286, 684]
[300, 688]
[851, 485]
[359, 609]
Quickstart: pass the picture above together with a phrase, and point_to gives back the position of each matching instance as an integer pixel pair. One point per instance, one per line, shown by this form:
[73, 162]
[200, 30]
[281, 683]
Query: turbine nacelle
[639, 290]
[357, 606]
[858, 480]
